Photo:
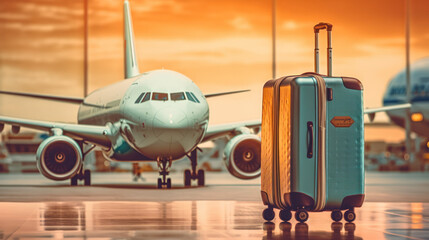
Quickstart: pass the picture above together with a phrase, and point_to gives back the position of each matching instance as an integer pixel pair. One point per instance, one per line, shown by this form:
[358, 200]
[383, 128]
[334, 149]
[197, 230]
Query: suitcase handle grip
[317, 28]
[321, 26]
[309, 139]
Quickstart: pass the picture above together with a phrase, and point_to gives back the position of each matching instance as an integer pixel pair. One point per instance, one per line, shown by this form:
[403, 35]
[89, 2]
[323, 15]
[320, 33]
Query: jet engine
[242, 156]
[59, 158]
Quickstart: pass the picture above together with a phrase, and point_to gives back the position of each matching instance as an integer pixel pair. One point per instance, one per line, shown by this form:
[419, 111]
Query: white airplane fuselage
[158, 114]
[396, 93]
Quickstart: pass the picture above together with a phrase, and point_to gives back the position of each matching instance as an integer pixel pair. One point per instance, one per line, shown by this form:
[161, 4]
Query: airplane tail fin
[130, 59]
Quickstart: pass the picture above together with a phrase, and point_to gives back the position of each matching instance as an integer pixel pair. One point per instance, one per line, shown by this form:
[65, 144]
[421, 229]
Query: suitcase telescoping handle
[317, 28]
[309, 139]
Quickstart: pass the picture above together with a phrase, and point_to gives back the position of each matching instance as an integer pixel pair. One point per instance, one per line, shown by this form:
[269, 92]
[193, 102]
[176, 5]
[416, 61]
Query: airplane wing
[387, 108]
[224, 93]
[53, 98]
[98, 135]
[372, 111]
[217, 131]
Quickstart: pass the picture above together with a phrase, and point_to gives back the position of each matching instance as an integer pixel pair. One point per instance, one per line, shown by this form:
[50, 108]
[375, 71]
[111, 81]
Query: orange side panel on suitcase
[284, 144]
[267, 143]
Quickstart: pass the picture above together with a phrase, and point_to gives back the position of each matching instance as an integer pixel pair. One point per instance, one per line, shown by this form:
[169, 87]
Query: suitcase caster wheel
[349, 216]
[268, 214]
[301, 215]
[336, 215]
[285, 215]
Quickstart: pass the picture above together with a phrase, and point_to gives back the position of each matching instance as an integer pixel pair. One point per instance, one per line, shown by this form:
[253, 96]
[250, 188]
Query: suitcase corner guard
[352, 83]
[298, 200]
[264, 197]
[353, 201]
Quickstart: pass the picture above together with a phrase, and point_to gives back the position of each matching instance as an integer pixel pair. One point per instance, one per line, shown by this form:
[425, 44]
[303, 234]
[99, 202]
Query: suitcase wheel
[336, 215]
[349, 216]
[268, 214]
[285, 215]
[301, 215]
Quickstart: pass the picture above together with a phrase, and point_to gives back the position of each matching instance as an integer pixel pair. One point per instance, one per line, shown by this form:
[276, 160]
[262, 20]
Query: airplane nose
[170, 124]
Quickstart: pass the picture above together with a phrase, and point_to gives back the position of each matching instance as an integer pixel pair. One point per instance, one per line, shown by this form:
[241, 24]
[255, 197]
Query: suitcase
[312, 143]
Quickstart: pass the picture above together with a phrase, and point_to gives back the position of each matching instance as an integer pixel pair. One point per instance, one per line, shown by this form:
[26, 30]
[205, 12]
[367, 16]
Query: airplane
[396, 94]
[159, 115]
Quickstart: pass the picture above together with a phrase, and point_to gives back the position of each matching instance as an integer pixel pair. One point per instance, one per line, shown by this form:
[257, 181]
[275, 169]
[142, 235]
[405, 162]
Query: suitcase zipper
[321, 158]
[276, 170]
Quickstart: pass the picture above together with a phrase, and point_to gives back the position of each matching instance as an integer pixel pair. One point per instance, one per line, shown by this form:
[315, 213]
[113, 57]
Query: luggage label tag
[342, 121]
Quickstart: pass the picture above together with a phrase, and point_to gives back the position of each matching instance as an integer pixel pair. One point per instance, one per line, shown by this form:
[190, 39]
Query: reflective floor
[201, 220]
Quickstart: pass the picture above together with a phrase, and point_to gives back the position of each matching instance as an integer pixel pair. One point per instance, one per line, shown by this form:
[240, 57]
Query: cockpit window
[146, 97]
[190, 98]
[193, 95]
[160, 96]
[177, 96]
[139, 98]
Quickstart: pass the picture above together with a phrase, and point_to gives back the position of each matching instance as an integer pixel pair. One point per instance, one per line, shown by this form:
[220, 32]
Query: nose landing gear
[193, 174]
[164, 167]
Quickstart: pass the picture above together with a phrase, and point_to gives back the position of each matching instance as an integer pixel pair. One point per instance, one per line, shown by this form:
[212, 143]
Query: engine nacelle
[59, 158]
[242, 156]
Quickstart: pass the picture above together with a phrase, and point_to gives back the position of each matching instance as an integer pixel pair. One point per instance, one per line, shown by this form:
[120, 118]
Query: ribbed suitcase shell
[290, 179]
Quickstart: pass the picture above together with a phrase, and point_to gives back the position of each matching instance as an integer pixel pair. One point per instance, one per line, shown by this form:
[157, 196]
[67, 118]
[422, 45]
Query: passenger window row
[157, 96]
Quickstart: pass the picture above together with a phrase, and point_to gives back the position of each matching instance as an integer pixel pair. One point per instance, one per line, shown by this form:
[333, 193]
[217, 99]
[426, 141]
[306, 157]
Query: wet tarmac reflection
[302, 231]
[201, 220]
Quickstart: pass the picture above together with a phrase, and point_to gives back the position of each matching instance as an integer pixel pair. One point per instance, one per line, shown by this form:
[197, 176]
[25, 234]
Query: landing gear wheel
[301, 215]
[285, 215]
[164, 165]
[192, 174]
[268, 214]
[349, 216]
[169, 183]
[73, 180]
[200, 177]
[159, 183]
[336, 215]
[87, 178]
[187, 178]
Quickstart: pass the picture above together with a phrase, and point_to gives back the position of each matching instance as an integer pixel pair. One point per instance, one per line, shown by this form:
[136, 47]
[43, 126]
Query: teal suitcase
[312, 143]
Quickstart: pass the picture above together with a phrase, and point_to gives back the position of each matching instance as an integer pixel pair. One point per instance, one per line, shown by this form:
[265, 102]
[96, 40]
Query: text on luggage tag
[342, 121]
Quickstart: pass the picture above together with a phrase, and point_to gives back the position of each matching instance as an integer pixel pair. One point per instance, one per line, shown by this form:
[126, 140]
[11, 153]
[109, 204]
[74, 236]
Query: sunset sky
[221, 45]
